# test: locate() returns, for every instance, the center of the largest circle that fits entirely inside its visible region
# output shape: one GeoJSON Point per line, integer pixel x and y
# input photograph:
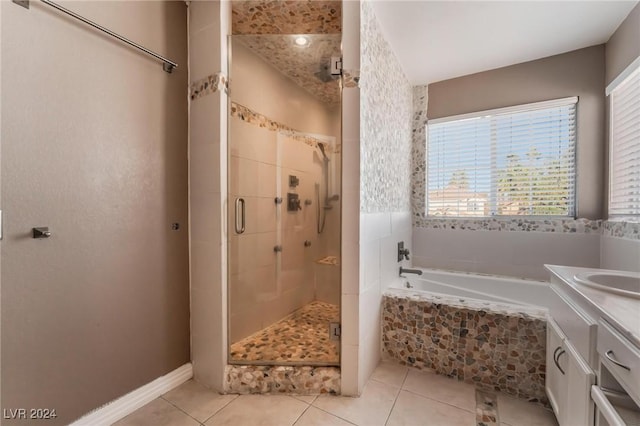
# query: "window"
{"type": "Point", "coordinates": [504, 162]}
{"type": "Point", "coordinates": [624, 126]}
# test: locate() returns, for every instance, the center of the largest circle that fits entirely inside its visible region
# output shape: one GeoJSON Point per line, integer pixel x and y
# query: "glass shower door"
{"type": "Point", "coordinates": [284, 220]}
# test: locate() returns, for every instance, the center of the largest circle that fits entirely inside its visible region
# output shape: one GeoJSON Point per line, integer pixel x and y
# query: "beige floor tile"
{"type": "Point", "coordinates": [316, 417]}
{"type": "Point", "coordinates": [517, 412]}
{"type": "Point", "coordinates": [197, 401]}
{"type": "Point", "coordinates": [157, 413]}
{"type": "Point", "coordinates": [441, 388]}
{"type": "Point", "coordinates": [414, 410]}
{"type": "Point", "coordinates": [306, 398]}
{"type": "Point", "coordinates": [390, 373]}
{"type": "Point", "coordinates": [371, 409]}
{"type": "Point", "coordinates": [259, 410]}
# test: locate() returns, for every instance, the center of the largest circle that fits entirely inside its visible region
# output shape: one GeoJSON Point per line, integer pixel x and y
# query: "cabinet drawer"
{"type": "Point", "coordinates": [620, 357]}
{"type": "Point", "coordinates": [579, 328]}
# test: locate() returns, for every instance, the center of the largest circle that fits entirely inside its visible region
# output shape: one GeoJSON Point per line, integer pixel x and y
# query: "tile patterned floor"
{"type": "Point", "coordinates": [394, 396]}
{"type": "Point", "coordinates": [303, 336]}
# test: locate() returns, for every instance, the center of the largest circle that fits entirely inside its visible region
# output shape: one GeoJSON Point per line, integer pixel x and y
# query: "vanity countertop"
{"type": "Point", "coordinates": [623, 313]}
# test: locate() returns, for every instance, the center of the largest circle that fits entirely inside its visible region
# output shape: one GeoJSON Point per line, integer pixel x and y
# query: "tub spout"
{"type": "Point", "coordinates": [410, 271]}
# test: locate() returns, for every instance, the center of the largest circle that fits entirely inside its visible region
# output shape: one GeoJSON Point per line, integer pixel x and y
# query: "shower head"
{"type": "Point", "coordinates": [321, 146]}
{"type": "Point", "coordinates": [324, 73]}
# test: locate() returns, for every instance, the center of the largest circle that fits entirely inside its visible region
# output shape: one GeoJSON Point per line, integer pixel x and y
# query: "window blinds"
{"type": "Point", "coordinates": [510, 161]}
{"type": "Point", "coordinates": [624, 185]}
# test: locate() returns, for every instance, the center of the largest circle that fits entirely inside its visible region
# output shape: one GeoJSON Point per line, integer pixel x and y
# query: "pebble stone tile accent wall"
{"type": "Point", "coordinates": [487, 344]}
{"type": "Point", "coordinates": [245, 379]}
{"type": "Point", "coordinates": [385, 123]}
{"type": "Point", "coordinates": [286, 17]}
{"type": "Point", "coordinates": [300, 337]}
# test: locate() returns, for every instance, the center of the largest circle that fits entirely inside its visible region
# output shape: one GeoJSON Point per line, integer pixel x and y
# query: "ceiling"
{"type": "Point", "coordinates": [286, 17]}
{"type": "Point", "coordinates": [439, 40]}
{"type": "Point", "coordinates": [269, 27]}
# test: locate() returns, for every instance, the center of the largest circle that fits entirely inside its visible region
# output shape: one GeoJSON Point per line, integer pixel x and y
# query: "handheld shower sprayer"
{"type": "Point", "coordinates": [324, 154]}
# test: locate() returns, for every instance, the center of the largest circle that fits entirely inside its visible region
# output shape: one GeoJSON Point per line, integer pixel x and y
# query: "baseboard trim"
{"type": "Point", "coordinates": [127, 404]}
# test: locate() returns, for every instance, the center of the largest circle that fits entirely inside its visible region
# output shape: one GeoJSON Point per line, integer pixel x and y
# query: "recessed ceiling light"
{"type": "Point", "coordinates": [301, 41]}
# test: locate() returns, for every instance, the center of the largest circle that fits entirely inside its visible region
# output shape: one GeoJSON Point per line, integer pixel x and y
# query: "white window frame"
{"type": "Point", "coordinates": [493, 193]}
{"type": "Point", "coordinates": [621, 78]}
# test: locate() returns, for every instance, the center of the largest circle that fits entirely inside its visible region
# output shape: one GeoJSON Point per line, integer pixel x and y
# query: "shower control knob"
{"type": "Point", "coordinates": [405, 253]}
{"type": "Point", "coordinates": [307, 243]}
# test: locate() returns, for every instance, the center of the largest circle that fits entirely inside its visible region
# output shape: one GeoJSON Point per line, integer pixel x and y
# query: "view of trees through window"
{"type": "Point", "coordinates": [520, 163]}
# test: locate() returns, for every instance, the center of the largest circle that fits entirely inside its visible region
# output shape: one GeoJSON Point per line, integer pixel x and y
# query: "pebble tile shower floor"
{"type": "Point", "coordinates": [302, 336]}
{"type": "Point", "coordinates": [395, 395]}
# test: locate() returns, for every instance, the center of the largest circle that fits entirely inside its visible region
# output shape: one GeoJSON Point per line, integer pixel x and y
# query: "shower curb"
{"type": "Point", "coordinates": [273, 379]}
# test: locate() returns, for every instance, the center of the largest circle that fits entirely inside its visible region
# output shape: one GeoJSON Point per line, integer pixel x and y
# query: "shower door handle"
{"type": "Point", "coordinates": [240, 216]}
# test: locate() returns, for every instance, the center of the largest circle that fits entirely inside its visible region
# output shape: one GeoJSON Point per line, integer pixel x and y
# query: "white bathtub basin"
{"type": "Point", "coordinates": [618, 282]}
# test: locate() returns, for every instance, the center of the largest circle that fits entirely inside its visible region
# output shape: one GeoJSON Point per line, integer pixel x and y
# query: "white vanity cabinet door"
{"type": "Point", "coordinates": [556, 383]}
{"type": "Point", "coordinates": [578, 408]}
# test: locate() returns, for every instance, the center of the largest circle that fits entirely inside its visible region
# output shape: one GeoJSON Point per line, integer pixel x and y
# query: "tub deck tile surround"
{"type": "Point", "coordinates": [493, 346]}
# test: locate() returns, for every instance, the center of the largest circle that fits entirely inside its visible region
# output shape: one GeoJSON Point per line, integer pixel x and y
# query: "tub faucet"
{"type": "Point", "coordinates": [410, 271]}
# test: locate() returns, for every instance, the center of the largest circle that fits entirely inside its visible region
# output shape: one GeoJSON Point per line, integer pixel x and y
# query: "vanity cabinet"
{"type": "Point", "coordinates": [569, 380]}
{"type": "Point", "coordinates": [589, 331]}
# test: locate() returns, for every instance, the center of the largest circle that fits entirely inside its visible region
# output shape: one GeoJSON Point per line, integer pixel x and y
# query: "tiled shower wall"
{"type": "Point", "coordinates": [385, 159]}
{"type": "Point", "coordinates": [265, 285]}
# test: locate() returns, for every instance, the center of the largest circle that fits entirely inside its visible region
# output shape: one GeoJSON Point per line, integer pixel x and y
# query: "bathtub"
{"type": "Point", "coordinates": [501, 290]}
{"type": "Point", "coordinates": [484, 330]}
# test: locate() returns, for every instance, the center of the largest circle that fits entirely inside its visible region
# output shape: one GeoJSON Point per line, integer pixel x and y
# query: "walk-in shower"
{"type": "Point", "coordinates": [284, 200]}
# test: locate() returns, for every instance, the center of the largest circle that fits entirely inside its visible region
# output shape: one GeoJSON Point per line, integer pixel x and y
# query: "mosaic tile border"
{"type": "Point", "coordinates": [418, 149]}
{"type": "Point", "coordinates": [350, 78]}
{"type": "Point", "coordinates": [292, 380]}
{"type": "Point", "coordinates": [486, 408]}
{"type": "Point", "coordinates": [493, 350]}
{"type": "Point", "coordinates": [250, 116]}
{"type": "Point", "coordinates": [526, 312]}
{"type": "Point", "coordinates": [629, 229]}
{"type": "Point", "coordinates": [213, 83]}
{"type": "Point", "coordinates": [582, 226]}
{"type": "Point", "coordinates": [286, 17]}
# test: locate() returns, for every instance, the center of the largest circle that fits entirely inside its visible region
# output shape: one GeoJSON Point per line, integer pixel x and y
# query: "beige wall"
{"type": "Point", "coordinates": [624, 45]}
{"type": "Point", "coordinates": [578, 73]}
{"type": "Point", "coordinates": [93, 146]}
